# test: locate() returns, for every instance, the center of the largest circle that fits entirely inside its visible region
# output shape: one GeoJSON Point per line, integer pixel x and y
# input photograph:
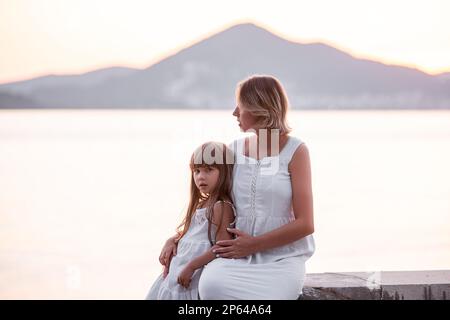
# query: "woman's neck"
{"type": "Point", "coordinates": [264, 132]}
{"type": "Point", "coordinates": [268, 143]}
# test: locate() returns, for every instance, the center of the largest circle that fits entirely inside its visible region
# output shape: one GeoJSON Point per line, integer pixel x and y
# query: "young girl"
{"type": "Point", "coordinates": [209, 214]}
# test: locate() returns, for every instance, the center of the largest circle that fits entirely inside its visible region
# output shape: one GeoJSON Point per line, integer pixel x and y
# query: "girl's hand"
{"type": "Point", "coordinates": [243, 245]}
{"type": "Point", "coordinates": [184, 279]}
{"type": "Point", "coordinates": [168, 251]}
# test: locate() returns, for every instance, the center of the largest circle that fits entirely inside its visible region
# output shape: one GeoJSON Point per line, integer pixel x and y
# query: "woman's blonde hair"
{"type": "Point", "coordinates": [265, 98]}
{"type": "Point", "coordinates": [209, 154]}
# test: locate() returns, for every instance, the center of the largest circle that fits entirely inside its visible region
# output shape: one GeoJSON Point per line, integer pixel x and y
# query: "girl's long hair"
{"type": "Point", "coordinates": [209, 154]}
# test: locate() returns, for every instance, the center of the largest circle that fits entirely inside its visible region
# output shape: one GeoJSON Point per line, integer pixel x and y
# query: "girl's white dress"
{"type": "Point", "coordinates": [193, 244]}
{"type": "Point", "coordinates": [262, 194]}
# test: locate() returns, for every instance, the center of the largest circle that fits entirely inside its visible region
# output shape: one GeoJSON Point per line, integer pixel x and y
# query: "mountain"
{"type": "Point", "coordinates": [205, 75]}
{"type": "Point", "coordinates": [444, 76]}
{"type": "Point", "coordinates": [16, 101]}
{"type": "Point", "coordinates": [82, 80]}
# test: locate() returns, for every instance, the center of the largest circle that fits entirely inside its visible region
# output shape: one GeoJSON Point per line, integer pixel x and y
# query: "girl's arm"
{"type": "Point", "coordinates": [223, 215]}
{"type": "Point", "coordinates": [302, 226]}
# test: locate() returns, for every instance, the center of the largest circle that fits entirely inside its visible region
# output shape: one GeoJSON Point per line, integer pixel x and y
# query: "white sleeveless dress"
{"type": "Point", "coordinates": [193, 244]}
{"type": "Point", "coordinates": [262, 195]}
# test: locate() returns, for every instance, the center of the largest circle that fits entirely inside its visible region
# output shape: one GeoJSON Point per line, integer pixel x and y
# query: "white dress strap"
{"type": "Point", "coordinates": [290, 147]}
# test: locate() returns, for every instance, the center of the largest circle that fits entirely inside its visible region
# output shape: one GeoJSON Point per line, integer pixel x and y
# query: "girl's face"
{"type": "Point", "coordinates": [244, 117]}
{"type": "Point", "coordinates": [206, 178]}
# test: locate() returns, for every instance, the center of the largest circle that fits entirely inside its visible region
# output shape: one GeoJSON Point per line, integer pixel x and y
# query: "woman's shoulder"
{"type": "Point", "coordinates": [297, 143]}
{"type": "Point", "coordinates": [294, 147]}
{"type": "Point", "coordinates": [295, 140]}
{"type": "Point", "coordinates": [300, 157]}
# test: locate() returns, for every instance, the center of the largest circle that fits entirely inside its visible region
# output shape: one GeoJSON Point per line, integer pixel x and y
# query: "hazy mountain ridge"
{"type": "Point", "coordinates": [10, 100]}
{"type": "Point", "coordinates": [205, 74]}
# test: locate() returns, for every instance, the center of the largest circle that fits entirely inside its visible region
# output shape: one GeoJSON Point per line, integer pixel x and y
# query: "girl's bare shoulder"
{"type": "Point", "coordinates": [223, 209]}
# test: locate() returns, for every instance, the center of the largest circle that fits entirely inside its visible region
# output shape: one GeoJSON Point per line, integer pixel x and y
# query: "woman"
{"type": "Point", "coordinates": [274, 205]}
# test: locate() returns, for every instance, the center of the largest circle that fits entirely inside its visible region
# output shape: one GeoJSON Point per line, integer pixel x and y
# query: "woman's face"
{"type": "Point", "coordinates": [244, 117]}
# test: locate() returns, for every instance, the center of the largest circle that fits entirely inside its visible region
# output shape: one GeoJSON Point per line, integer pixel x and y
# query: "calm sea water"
{"type": "Point", "coordinates": [87, 198]}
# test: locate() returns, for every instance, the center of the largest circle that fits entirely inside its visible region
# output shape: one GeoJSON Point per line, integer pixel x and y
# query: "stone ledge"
{"type": "Point", "coordinates": [380, 285]}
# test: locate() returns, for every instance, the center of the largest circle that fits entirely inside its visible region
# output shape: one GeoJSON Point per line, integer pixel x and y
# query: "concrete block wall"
{"type": "Point", "coordinates": [379, 285]}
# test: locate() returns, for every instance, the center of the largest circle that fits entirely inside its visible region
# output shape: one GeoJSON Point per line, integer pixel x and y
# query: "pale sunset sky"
{"type": "Point", "coordinates": [40, 37]}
